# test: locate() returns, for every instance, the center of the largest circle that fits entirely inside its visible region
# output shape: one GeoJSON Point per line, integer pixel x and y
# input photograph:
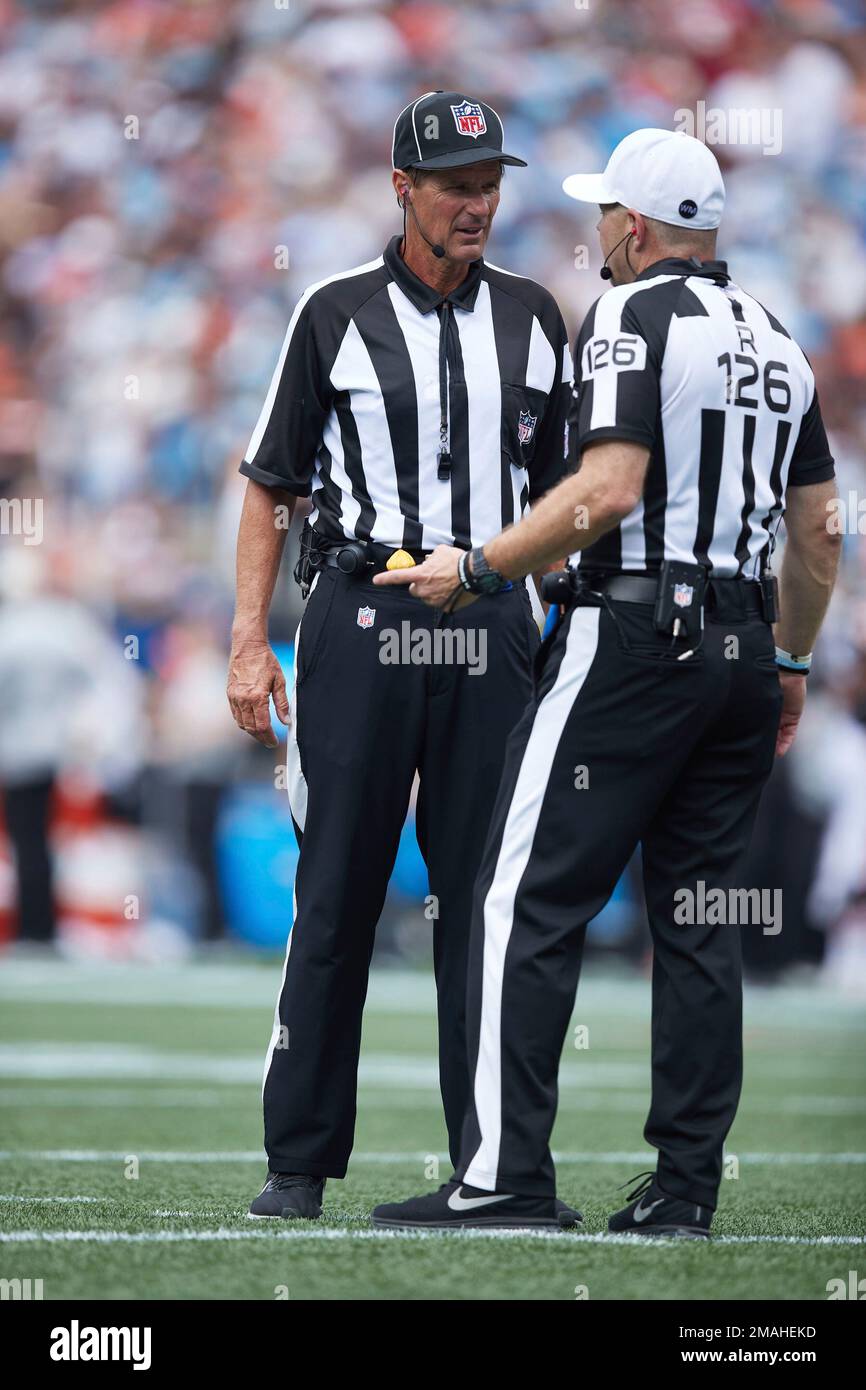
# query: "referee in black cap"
{"type": "Point", "coordinates": [662, 700]}
{"type": "Point", "coordinates": [420, 400]}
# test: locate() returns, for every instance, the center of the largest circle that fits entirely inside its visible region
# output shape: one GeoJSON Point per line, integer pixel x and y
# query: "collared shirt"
{"type": "Point", "coordinates": [683, 361]}
{"type": "Point", "coordinates": [377, 371]}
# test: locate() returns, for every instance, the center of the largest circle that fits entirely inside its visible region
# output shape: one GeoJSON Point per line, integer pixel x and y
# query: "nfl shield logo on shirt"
{"type": "Point", "coordinates": [683, 595]}
{"type": "Point", "coordinates": [366, 617]}
{"type": "Point", "coordinates": [469, 119]}
{"type": "Point", "coordinates": [526, 426]}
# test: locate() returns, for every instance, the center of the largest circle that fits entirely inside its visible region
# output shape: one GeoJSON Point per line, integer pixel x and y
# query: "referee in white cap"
{"type": "Point", "coordinates": [419, 399]}
{"type": "Point", "coordinates": [662, 701]}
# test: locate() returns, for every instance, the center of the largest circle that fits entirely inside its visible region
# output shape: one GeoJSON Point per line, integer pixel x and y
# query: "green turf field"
{"type": "Point", "coordinates": [131, 1131]}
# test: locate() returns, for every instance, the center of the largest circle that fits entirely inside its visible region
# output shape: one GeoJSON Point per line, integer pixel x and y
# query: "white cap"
{"type": "Point", "coordinates": [664, 174]}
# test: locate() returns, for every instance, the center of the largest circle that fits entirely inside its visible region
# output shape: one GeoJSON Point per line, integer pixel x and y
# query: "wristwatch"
{"type": "Point", "coordinates": [476, 576]}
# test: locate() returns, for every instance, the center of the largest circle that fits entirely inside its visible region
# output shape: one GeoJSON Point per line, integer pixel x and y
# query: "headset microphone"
{"type": "Point", "coordinates": [438, 251]}
{"type": "Point", "coordinates": [604, 272]}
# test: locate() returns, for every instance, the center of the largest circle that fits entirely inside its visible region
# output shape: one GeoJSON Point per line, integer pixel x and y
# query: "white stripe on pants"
{"type": "Point", "coordinates": [517, 839]}
{"type": "Point", "coordinates": [296, 786]}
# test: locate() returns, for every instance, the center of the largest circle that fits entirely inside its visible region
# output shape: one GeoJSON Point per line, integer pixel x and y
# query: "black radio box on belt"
{"type": "Point", "coordinates": [680, 595]}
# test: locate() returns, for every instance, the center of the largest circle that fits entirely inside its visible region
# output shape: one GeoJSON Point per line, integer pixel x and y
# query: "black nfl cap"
{"type": "Point", "coordinates": [444, 130]}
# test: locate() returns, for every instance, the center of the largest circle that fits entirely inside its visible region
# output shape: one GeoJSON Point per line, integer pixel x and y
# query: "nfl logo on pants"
{"type": "Point", "coordinates": [366, 617]}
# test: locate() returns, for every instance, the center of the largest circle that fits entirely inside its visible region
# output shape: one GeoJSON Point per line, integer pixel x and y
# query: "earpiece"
{"type": "Point", "coordinates": [606, 273]}
{"type": "Point", "coordinates": [438, 251]}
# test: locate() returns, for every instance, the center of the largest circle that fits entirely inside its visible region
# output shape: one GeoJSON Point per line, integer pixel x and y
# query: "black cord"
{"type": "Point", "coordinates": [599, 593]}
{"type": "Point", "coordinates": [452, 598]}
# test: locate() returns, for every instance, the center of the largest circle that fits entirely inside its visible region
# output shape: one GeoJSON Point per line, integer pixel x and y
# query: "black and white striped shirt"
{"type": "Point", "coordinates": [684, 361]}
{"type": "Point", "coordinates": [354, 410]}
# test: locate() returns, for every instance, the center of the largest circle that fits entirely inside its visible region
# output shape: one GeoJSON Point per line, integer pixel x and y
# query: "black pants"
{"type": "Point", "coordinates": [623, 744]}
{"type": "Point", "coordinates": [361, 728]}
{"type": "Point", "coordinates": [27, 808]}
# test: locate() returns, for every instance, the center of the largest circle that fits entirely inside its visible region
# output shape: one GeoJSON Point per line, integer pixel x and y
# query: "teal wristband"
{"type": "Point", "coordinates": [787, 661]}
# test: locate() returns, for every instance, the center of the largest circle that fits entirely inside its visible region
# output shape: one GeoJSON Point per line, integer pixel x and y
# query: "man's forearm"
{"type": "Point", "coordinates": [538, 574]}
{"type": "Point", "coordinates": [805, 585]}
{"type": "Point", "coordinates": [574, 514]}
{"type": "Point", "coordinates": [259, 552]}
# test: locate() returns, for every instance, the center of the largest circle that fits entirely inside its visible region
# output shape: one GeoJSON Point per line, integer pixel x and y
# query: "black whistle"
{"type": "Point", "coordinates": [444, 470]}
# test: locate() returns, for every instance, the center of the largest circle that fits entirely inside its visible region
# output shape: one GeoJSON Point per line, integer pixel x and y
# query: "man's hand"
{"type": "Point", "coordinates": [434, 581]}
{"type": "Point", "coordinates": [255, 674]}
{"type": "Point", "coordinates": [793, 702]}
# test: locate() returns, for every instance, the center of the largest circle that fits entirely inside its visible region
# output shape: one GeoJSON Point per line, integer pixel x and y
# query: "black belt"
{"type": "Point", "coordinates": [639, 588]}
{"type": "Point", "coordinates": [377, 556]}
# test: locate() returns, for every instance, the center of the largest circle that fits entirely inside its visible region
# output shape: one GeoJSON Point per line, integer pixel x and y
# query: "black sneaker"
{"type": "Point", "coordinates": [456, 1206]}
{"type": "Point", "coordinates": [290, 1195]}
{"type": "Point", "coordinates": [567, 1217]}
{"type": "Point", "coordinates": [652, 1212]}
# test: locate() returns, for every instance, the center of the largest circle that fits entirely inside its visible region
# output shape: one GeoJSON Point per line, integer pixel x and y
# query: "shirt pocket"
{"type": "Point", "coordinates": [523, 410]}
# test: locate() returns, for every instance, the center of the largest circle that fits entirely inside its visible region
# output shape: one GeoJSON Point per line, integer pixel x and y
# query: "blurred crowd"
{"type": "Point", "coordinates": [173, 173]}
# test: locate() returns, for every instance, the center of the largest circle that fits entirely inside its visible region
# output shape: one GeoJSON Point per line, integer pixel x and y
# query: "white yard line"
{"type": "Point", "coordinates": [99, 1237]}
{"type": "Point", "coordinates": [388, 1157]}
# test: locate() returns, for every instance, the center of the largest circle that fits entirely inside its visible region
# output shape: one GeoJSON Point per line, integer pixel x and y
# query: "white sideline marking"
{"type": "Point", "coordinates": [426, 1098]}
{"type": "Point", "coordinates": [243, 985]}
{"type": "Point", "coordinates": [84, 1097]}
{"type": "Point", "coordinates": [612, 1156]}
{"type": "Point", "coordinates": [98, 1237]}
{"type": "Point", "coordinates": [418, 1072]}
{"type": "Point", "coordinates": [56, 1061]}
{"type": "Point", "coordinates": [17, 1197]}
{"type": "Point", "coordinates": [190, 986]}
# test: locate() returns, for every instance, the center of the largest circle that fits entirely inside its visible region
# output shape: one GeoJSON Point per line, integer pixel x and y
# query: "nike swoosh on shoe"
{"type": "Point", "coordinates": [456, 1202]}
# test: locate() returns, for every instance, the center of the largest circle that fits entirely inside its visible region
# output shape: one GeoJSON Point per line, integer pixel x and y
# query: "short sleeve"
{"type": "Point", "coordinates": [282, 450]}
{"type": "Point", "coordinates": [549, 463]}
{"type": "Point", "coordinates": [811, 461]}
{"type": "Point", "coordinates": [616, 379]}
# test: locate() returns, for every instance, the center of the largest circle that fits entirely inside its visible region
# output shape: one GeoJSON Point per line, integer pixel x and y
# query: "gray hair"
{"type": "Point", "coordinates": [700, 240]}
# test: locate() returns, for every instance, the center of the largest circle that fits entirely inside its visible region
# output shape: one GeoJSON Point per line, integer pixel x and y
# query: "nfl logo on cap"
{"type": "Point", "coordinates": [469, 119]}
{"type": "Point", "coordinates": [448, 130]}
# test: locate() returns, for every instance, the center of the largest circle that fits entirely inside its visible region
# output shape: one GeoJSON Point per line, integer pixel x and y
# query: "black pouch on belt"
{"type": "Point", "coordinates": [769, 596]}
{"type": "Point", "coordinates": [680, 597]}
{"type": "Point", "coordinates": [559, 587]}
{"type": "Point", "coordinates": [308, 559]}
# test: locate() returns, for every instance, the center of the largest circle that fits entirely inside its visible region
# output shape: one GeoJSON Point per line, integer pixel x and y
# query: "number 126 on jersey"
{"type": "Point", "coordinates": [622, 354]}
